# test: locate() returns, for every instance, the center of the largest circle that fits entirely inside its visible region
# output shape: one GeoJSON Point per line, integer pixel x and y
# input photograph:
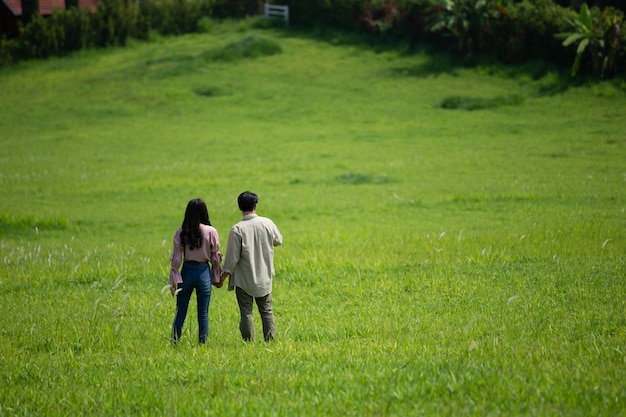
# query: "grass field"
{"type": "Point", "coordinates": [454, 237]}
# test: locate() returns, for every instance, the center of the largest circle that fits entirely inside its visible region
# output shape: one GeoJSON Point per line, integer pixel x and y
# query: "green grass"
{"type": "Point", "coordinates": [436, 261]}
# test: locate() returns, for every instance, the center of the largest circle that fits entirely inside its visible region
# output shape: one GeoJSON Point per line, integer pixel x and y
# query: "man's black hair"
{"type": "Point", "coordinates": [247, 201]}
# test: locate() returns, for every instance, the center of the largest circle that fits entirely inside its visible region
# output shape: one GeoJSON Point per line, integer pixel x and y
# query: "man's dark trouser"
{"type": "Point", "coordinates": [246, 324]}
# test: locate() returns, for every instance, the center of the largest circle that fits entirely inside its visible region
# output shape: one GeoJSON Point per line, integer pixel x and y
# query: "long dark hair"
{"type": "Point", "coordinates": [195, 214]}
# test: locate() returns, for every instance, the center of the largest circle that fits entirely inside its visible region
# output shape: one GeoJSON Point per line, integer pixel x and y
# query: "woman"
{"type": "Point", "coordinates": [196, 243]}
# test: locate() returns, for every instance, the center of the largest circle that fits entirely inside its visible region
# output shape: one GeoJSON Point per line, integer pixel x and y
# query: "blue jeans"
{"type": "Point", "coordinates": [195, 276]}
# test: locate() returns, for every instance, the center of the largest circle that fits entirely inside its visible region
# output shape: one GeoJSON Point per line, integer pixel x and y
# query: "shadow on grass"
{"type": "Point", "coordinates": [29, 224]}
{"type": "Point", "coordinates": [211, 91]}
{"type": "Point", "coordinates": [479, 103]}
{"type": "Point", "coordinates": [248, 47]}
{"type": "Point", "coordinates": [547, 78]}
{"type": "Point", "coordinates": [357, 178]}
{"type": "Point", "coordinates": [437, 59]}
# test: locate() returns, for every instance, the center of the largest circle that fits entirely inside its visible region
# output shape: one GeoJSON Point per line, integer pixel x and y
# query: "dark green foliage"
{"type": "Point", "coordinates": [36, 39]}
{"type": "Point", "coordinates": [575, 4]}
{"type": "Point", "coordinates": [477, 26]}
{"type": "Point", "coordinates": [115, 22]}
{"type": "Point", "coordinates": [236, 9]}
{"type": "Point", "coordinates": [70, 30]}
{"type": "Point", "coordinates": [338, 14]}
{"type": "Point", "coordinates": [174, 17]}
{"type": "Point", "coordinates": [30, 9]}
{"type": "Point", "coordinates": [535, 23]}
{"type": "Point", "coordinates": [77, 30]}
{"type": "Point", "coordinates": [596, 34]}
{"type": "Point", "coordinates": [61, 33]}
{"type": "Point", "coordinates": [205, 25]}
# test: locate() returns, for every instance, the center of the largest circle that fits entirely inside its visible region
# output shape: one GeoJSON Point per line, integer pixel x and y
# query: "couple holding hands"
{"type": "Point", "coordinates": [249, 263]}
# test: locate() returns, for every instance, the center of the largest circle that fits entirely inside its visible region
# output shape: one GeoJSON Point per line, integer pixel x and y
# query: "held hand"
{"type": "Point", "coordinates": [173, 290]}
{"type": "Point", "coordinates": [222, 279]}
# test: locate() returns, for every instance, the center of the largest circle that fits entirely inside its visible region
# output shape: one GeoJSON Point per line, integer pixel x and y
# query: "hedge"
{"type": "Point", "coordinates": [515, 31]}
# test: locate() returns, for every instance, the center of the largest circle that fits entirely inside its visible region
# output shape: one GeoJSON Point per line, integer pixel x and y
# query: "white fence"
{"type": "Point", "coordinates": [273, 11]}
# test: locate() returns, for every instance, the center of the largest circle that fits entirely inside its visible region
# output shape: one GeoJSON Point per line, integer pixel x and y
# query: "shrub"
{"type": "Point", "coordinates": [380, 17]}
{"type": "Point", "coordinates": [33, 41]}
{"type": "Point", "coordinates": [42, 38]}
{"type": "Point", "coordinates": [416, 18]}
{"type": "Point", "coordinates": [476, 25]}
{"type": "Point", "coordinates": [534, 24]}
{"type": "Point", "coordinates": [30, 9]}
{"type": "Point", "coordinates": [205, 25]}
{"type": "Point", "coordinates": [236, 9]}
{"type": "Point", "coordinates": [336, 14]}
{"type": "Point", "coordinates": [116, 21]}
{"type": "Point", "coordinates": [7, 51]}
{"type": "Point", "coordinates": [175, 17]}
{"type": "Point", "coordinates": [598, 36]}
{"type": "Point", "coordinates": [76, 28]}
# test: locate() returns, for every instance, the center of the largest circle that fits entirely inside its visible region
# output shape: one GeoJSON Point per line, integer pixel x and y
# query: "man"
{"type": "Point", "coordinates": [250, 264]}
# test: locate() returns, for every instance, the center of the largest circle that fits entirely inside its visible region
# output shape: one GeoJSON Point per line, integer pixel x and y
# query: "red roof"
{"type": "Point", "coordinates": [47, 6]}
